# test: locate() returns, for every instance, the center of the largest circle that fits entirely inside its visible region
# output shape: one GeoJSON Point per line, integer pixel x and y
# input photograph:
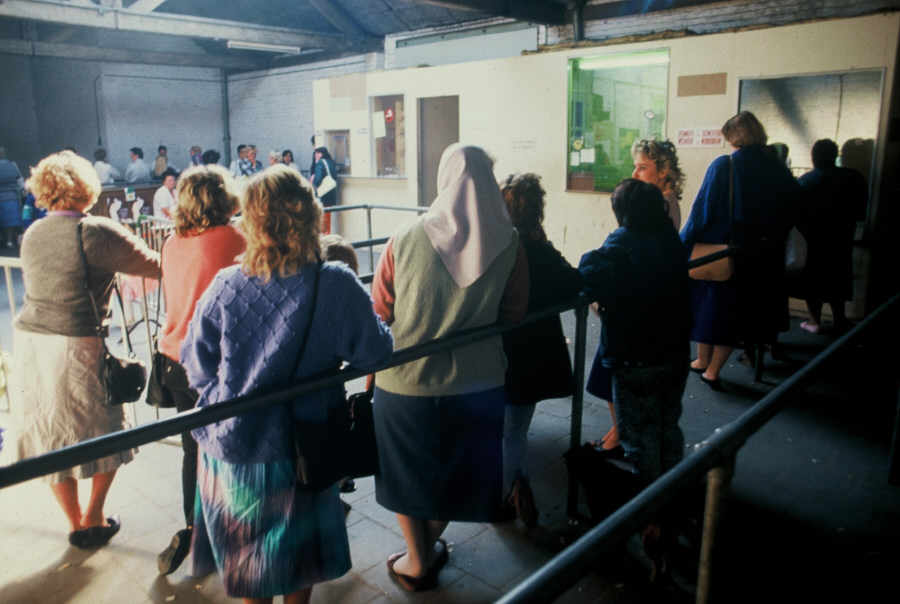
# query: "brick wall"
{"type": "Point", "coordinates": [273, 109]}
{"type": "Point", "coordinates": [719, 16]}
{"type": "Point", "coordinates": [149, 105]}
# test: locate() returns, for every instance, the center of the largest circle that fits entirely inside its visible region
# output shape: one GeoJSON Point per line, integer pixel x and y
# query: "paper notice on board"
{"type": "Point", "coordinates": [575, 158]}
{"type": "Point", "coordinates": [587, 156]}
{"type": "Point", "coordinates": [378, 127]}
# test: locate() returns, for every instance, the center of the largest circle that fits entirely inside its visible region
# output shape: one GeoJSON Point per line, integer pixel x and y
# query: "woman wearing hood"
{"type": "Point", "coordinates": [439, 419]}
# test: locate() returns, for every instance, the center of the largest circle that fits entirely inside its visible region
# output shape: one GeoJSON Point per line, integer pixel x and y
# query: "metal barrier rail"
{"type": "Point", "coordinates": [370, 242]}
{"type": "Point", "coordinates": [715, 457]}
{"type": "Point", "coordinates": [108, 444]}
{"type": "Point", "coordinates": [102, 446]}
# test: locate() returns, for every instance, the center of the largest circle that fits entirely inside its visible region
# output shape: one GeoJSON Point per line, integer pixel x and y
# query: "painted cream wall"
{"type": "Point", "coordinates": [516, 109]}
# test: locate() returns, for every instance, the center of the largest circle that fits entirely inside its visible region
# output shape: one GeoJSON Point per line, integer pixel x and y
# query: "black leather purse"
{"type": "Point", "coordinates": [124, 379]}
{"type": "Point", "coordinates": [342, 448]}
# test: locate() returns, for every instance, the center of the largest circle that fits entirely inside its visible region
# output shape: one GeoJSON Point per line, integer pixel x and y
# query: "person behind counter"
{"type": "Point", "coordinates": [164, 198]}
{"type": "Point", "coordinates": [137, 170]}
{"type": "Point", "coordinates": [106, 172]}
{"type": "Point", "coordinates": [162, 163]}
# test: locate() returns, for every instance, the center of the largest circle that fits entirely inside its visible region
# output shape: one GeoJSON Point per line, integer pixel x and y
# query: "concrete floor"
{"type": "Point", "coordinates": [810, 515]}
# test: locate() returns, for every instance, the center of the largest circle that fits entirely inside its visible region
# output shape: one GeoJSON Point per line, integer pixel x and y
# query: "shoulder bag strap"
{"type": "Point", "coordinates": [731, 199]}
{"type": "Point", "coordinates": [309, 321]}
{"type": "Point", "coordinates": [87, 284]}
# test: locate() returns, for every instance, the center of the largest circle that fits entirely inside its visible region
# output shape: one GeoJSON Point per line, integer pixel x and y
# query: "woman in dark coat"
{"type": "Point", "coordinates": [538, 358]}
{"type": "Point", "coordinates": [750, 307]}
{"type": "Point", "coordinates": [323, 167]}
{"type": "Point", "coordinates": [833, 198]}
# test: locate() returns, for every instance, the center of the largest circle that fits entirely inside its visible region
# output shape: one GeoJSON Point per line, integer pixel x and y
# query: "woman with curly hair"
{"type": "Point", "coordinates": [266, 535]}
{"type": "Point", "coordinates": [204, 242]}
{"type": "Point", "coordinates": [538, 358]}
{"type": "Point", "coordinates": [59, 346]}
{"type": "Point", "coordinates": [656, 163]}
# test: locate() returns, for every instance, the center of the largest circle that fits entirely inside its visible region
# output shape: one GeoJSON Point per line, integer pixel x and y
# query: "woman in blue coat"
{"type": "Point", "coordinates": [323, 167]}
{"type": "Point", "coordinates": [751, 307]}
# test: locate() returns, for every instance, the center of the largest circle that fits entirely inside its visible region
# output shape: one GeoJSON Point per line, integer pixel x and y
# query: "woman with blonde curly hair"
{"type": "Point", "coordinates": [265, 535]}
{"type": "Point", "coordinates": [68, 257]}
{"type": "Point", "coordinates": [204, 242]}
{"type": "Point", "coordinates": [656, 162]}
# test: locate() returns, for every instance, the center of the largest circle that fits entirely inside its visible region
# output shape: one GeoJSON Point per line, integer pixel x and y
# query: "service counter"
{"type": "Point", "coordinates": [126, 202]}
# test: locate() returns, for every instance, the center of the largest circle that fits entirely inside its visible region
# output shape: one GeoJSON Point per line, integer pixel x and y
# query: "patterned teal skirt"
{"type": "Point", "coordinates": [265, 536]}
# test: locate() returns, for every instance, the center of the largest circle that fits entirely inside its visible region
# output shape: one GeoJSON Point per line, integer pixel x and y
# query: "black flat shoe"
{"type": "Point", "coordinates": [172, 557]}
{"type": "Point", "coordinates": [95, 536]}
{"type": "Point", "coordinates": [715, 384]}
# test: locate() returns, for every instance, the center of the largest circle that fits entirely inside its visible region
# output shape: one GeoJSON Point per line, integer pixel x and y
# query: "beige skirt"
{"type": "Point", "coordinates": [59, 399]}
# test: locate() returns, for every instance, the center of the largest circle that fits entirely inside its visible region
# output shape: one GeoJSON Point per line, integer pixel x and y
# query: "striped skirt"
{"type": "Point", "coordinates": [264, 535]}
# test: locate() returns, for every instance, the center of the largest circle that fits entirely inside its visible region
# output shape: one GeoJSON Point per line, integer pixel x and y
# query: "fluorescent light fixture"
{"type": "Point", "coordinates": [636, 59]}
{"type": "Point", "coordinates": [262, 47]}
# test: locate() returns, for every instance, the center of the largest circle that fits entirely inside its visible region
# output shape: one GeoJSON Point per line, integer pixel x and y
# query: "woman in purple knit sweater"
{"type": "Point", "coordinates": [266, 536]}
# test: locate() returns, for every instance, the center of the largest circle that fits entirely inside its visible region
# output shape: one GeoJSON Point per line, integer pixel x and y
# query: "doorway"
{"type": "Point", "coordinates": [438, 128]}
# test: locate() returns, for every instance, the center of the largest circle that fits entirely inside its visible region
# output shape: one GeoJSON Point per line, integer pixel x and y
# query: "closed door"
{"type": "Point", "coordinates": [438, 129]}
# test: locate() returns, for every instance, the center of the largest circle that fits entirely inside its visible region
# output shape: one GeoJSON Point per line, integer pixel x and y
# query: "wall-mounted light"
{"type": "Point", "coordinates": [636, 59]}
{"type": "Point", "coordinates": [262, 47]}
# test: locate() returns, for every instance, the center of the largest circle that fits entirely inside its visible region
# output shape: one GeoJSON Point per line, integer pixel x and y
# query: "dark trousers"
{"type": "Point", "coordinates": [175, 382]}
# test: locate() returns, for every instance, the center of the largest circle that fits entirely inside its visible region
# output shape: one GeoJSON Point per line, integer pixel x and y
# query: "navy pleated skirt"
{"type": "Point", "coordinates": [440, 458]}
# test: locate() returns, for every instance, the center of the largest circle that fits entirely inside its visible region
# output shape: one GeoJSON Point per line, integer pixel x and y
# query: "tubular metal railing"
{"type": "Point", "coordinates": [370, 242]}
{"type": "Point", "coordinates": [715, 457]}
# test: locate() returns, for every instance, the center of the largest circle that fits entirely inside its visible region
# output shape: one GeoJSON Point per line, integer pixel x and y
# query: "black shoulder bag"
{"type": "Point", "coordinates": [342, 448]}
{"type": "Point", "coordinates": [124, 379]}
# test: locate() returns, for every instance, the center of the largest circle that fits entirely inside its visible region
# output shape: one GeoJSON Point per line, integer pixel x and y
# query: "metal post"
{"type": "Point", "coordinates": [226, 118]}
{"type": "Point", "coordinates": [581, 314]}
{"type": "Point", "coordinates": [10, 292]}
{"type": "Point", "coordinates": [578, 21]}
{"type": "Point", "coordinates": [718, 480]}
{"type": "Point", "coordinates": [893, 461]}
{"type": "Point", "coordinates": [369, 231]}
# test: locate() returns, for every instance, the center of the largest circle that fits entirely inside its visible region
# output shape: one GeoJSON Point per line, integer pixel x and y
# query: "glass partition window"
{"type": "Point", "coordinates": [389, 135]}
{"type": "Point", "coordinates": [338, 144]}
{"type": "Point", "coordinates": [613, 100]}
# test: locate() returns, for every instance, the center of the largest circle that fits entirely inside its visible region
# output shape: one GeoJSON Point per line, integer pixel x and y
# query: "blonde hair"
{"type": "Point", "coordinates": [743, 130]}
{"type": "Point", "coordinates": [281, 223]}
{"type": "Point", "coordinates": [206, 198]}
{"type": "Point", "coordinates": [335, 247]}
{"type": "Point", "coordinates": [663, 154]}
{"type": "Point", "coordinates": [64, 181]}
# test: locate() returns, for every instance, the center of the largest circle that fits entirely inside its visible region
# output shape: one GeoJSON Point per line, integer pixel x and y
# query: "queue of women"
{"type": "Point", "coordinates": [451, 427]}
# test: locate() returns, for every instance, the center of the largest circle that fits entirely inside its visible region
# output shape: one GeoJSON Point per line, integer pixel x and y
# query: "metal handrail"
{"type": "Point", "coordinates": [715, 456]}
{"type": "Point", "coordinates": [108, 444]}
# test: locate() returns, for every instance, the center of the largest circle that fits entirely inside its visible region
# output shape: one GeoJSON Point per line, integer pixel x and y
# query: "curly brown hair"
{"type": "Point", "coordinates": [524, 197]}
{"type": "Point", "coordinates": [281, 219]}
{"type": "Point", "coordinates": [334, 247]}
{"type": "Point", "coordinates": [206, 198]}
{"type": "Point", "coordinates": [662, 153]}
{"type": "Point", "coordinates": [64, 181]}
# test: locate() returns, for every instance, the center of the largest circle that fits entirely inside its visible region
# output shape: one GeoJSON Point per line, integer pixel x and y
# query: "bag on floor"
{"type": "Point", "coordinates": [608, 481]}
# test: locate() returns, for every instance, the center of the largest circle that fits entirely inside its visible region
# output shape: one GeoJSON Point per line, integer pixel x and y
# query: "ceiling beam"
{"type": "Point", "coordinates": [164, 23]}
{"type": "Point", "coordinates": [339, 18]}
{"type": "Point", "coordinates": [145, 6]}
{"type": "Point", "coordinates": [538, 11]}
{"type": "Point", "coordinates": [122, 55]}
{"type": "Point", "coordinates": [622, 8]}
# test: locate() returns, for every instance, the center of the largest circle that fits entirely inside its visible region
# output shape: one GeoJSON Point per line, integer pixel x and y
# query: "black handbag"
{"type": "Point", "coordinates": [345, 446]}
{"type": "Point", "coordinates": [124, 379]}
{"type": "Point", "coordinates": [158, 395]}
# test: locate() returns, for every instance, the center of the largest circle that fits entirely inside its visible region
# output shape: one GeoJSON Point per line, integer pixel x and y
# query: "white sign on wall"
{"type": "Point", "coordinates": [699, 137]}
